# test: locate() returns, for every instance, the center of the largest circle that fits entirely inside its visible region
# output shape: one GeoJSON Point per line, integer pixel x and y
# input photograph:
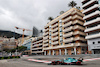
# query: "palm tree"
{"type": "Point", "coordinates": [61, 12]}
{"type": "Point", "coordinates": [50, 18]}
{"type": "Point", "coordinates": [72, 4]}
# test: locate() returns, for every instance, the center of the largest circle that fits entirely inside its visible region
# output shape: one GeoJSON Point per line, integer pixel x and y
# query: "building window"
{"type": "Point", "coordinates": [93, 42]}
{"type": "Point", "coordinates": [98, 41]}
{"type": "Point", "coordinates": [60, 29]}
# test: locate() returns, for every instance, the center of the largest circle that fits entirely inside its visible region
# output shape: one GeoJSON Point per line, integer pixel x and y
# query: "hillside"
{"type": "Point", "coordinates": [10, 34]}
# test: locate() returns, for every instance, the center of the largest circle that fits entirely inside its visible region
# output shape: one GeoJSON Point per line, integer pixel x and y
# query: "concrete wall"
{"type": "Point", "coordinates": [94, 46]}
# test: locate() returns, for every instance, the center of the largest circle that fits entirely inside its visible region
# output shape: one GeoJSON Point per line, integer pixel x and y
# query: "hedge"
{"type": "Point", "coordinates": [9, 57]}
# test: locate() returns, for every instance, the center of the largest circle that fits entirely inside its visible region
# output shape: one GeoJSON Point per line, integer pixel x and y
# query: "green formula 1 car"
{"type": "Point", "coordinates": [67, 61]}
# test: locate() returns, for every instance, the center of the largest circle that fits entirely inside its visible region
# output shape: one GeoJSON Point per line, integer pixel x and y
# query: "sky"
{"type": "Point", "coordinates": [29, 13]}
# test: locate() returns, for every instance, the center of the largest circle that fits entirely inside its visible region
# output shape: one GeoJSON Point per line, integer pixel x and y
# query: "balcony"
{"type": "Point", "coordinates": [68, 40]}
{"type": "Point", "coordinates": [92, 14]}
{"type": "Point", "coordinates": [55, 20]}
{"type": "Point", "coordinates": [92, 21]}
{"type": "Point", "coordinates": [37, 45]}
{"type": "Point", "coordinates": [79, 38]}
{"type": "Point", "coordinates": [79, 27]}
{"type": "Point", "coordinates": [37, 51]}
{"type": "Point", "coordinates": [83, 0]}
{"type": "Point", "coordinates": [66, 14]}
{"type": "Point", "coordinates": [53, 30]}
{"type": "Point", "coordinates": [40, 41]}
{"type": "Point", "coordinates": [67, 19]}
{"type": "Point", "coordinates": [37, 48]}
{"type": "Point", "coordinates": [46, 37]}
{"type": "Point", "coordinates": [78, 17]}
{"type": "Point", "coordinates": [93, 36]}
{"type": "Point", "coordinates": [46, 33]}
{"type": "Point", "coordinates": [92, 29]}
{"type": "Point", "coordinates": [79, 13]}
{"type": "Point", "coordinates": [88, 3]}
{"type": "Point", "coordinates": [45, 45]}
{"type": "Point", "coordinates": [60, 46]}
{"type": "Point", "coordinates": [79, 22]}
{"type": "Point", "coordinates": [91, 8]}
{"type": "Point", "coordinates": [80, 44]}
{"type": "Point", "coordinates": [54, 43]}
{"type": "Point", "coordinates": [54, 25]}
{"type": "Point", "coordinates": [54, 34]}
{"type": "Point", "coordinates": [47, 29]}
{"type": "Point", "coordinates": [68, 34]}
{"type": "Point", "coordinates": [55, 38]}
{"type": "Point", "coordinates": [68, 29]}
{"type": "Point", "coordinates": [45, 41]}
{"type": "Point", "coordinates": [67, 24]}
{"type": "Point", "coordinates": [79, 32]}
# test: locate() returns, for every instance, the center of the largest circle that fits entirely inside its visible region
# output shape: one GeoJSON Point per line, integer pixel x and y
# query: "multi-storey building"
{"type": "Point", "coordinates": [37, 46]}
{"type": "Point", "coordinates": [27, 43]}
{"type": "Point", "coordinates": [9, 43]}
{"type": "Point", "coordinates": [92, 22]}
{"type": "Point", "coordinates": [65, 34]}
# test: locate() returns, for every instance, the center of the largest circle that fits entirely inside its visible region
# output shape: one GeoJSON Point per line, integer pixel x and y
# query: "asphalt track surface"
{"type": "Point", "coordinates": [25, 63]}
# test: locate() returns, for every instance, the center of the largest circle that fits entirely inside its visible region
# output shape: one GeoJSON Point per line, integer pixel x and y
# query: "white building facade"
{"type": "Point", "coordinates": [92, 23]}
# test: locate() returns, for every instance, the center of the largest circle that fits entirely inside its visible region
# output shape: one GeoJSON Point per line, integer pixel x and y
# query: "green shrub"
{"type": "Point", "coordinates": [13, 56]}
{"type": "Point", "coordinates": [8, 58]}
{"type": "Point", "coordinates": [2, 58]}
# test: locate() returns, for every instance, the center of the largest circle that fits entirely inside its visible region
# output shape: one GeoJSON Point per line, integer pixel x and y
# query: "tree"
{"type": "Point", "coordinates": [21, 48]}
{"type": "Point", "coordinates": [61, 12]}
{"type": "Point", "coordinates": [72, 4]}
{"type": "Point", "coordinates": [50, 18]}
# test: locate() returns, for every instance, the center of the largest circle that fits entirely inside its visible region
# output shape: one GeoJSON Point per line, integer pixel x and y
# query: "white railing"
{"type": "Point", "coordinates": [93, 28]}
{"type": "Point", "coordinates": [92, 21]}
{"type": "Point", "coordinates": [68, 29]}
{"type": "Point", "coordinates": [79, 27]}
{"type": "Point", "coordinates": [67, 24]}
{"type": "Point", "coordinates": [53, 43]}
{"type": "Point", "coordinates": [54, 34]}
{"type": "Point", "coordinates": [68, 34]}
{"type": "Point", "coordinates": [65, 20]}
{"type": "Point", "coordinates": [91, 8]}
{"type": "Point", "coordinates": [91, 1]}
{"type": "Point", "coordinates": [54, 25]}
{"type": "Point", "coordinates": [79, 32]}
{"type": "Point", "coordinates": [92, 14]}
{"type": "Point", "coordinates": [76, 16]}
{"type": "Point", "coordinates": [55, 38]}
{"type": "Point", "coordinates": [69, 40]}
{"type": "Point", "coordinates": [53, 30]}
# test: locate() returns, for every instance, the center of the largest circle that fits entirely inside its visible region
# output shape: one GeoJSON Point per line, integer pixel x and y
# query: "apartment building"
{"type": "Point", "coordinates": [9, 43]}
{"type": "Point", "coordinates": [65, 34]}
{"type": "Point", "coordinates": [37, 46]}
{"type": "Point", "coordinates": [92, 23]}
